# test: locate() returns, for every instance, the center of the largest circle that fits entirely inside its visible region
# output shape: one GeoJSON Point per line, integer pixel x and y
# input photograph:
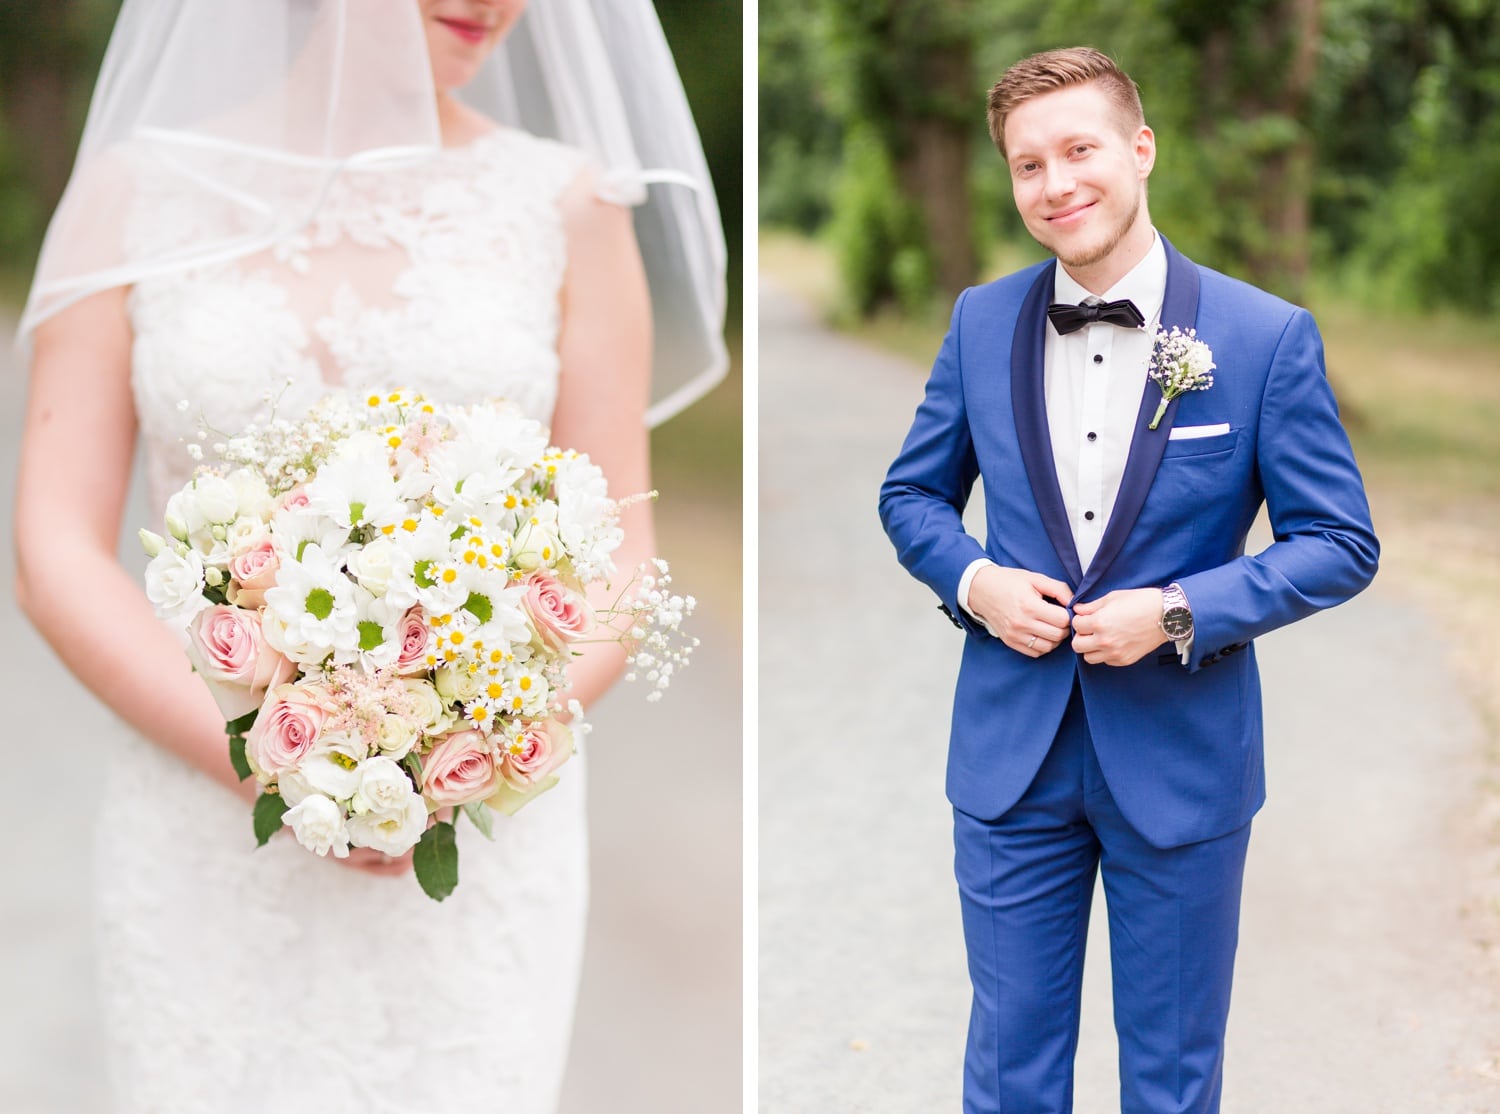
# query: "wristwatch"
{"type": "Point", "coordinates": [1176, 615]}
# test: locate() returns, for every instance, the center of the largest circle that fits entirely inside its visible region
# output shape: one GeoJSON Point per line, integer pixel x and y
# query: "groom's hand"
{"type": "Point", "coordinates": [1120, 628]}
{"type": "Point", "coordinates": [1025, 610]}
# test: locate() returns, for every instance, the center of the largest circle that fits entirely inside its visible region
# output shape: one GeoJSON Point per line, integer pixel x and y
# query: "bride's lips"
{"type": "Point", "coordinates": [469, 32]}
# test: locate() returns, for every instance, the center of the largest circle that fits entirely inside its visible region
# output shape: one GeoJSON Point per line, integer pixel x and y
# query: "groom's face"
{"type": "Point", "coordinates": [1078, 172]}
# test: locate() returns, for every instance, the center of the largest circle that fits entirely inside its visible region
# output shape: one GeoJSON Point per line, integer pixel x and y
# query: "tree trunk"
{"type": "Point", "coordinates": [37, 115]}
{"type": "Point", "coordinates": [933, 167]}
{"type": "Point", "coordinates": [38, 59]}
{"type": "Point", "coordinates": [1286, 201]}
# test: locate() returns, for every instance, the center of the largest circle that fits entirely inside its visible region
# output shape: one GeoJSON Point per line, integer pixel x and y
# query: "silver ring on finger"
{"type": "Point", "coordinates": [1031, 642]}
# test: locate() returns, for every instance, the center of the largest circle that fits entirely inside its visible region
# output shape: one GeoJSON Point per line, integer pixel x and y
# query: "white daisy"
{"type": "Point", "coordinates": [312, 608]}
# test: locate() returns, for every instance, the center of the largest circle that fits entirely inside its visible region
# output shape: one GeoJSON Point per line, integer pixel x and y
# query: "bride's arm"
{"type": "Point", "coordinates": [76, 452]}
{"type": "Point", "coordinates": [605, 350]}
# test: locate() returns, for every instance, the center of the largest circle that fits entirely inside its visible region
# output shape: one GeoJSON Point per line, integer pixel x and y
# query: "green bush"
{"type": "Point", "coordinates": [794, 188]}
{"type": "Point", "coordinates": [875, 232]}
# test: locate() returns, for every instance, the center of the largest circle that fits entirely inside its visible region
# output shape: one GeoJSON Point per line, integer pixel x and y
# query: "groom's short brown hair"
{"type": "Point", "coordinates": [1057, 69]}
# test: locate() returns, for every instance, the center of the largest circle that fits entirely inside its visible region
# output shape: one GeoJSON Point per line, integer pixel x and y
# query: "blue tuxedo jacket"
{"type": "Point", "coordinates": [1180, 746]}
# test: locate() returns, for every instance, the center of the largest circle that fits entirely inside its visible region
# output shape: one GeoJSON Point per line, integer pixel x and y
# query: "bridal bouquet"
{"type": "Point", "coordinates": [383, 598]}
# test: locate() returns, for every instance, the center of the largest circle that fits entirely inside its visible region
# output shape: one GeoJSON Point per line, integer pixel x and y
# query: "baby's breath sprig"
{"type": "Point", "coordinates": [1180, 362]}
{"type": "Point", "coordinates": [289, 453]}
{"type": "Point", "coordinates": [658, 646]}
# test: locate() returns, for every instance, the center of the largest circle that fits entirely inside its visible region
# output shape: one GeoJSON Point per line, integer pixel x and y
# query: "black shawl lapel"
{"type": "Point", "coordinates": [1029, 402]}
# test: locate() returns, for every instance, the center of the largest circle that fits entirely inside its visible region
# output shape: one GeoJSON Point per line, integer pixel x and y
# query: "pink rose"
{"type": "Point", "coordinates": [251, 572]}
{"type": "Point", "coordinates": [559, 614]}
{"type": "Point", "coordinates": [543, 747]}
{"type": "Point", "coordinates": [293, 499]}
{"type": "Point", "coordinates": [459, 769]}
{"type": "Point", "coordinates": [413, 655]}
{"type": "Point", "coordinates": [226, 648]}
{"type": "Point", "coordinates": [290, 721]}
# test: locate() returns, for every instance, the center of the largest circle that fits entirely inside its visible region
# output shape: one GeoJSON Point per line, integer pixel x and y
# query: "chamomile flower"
{"type": "Point", "coordinates": [312, 608]}
{"type": "Point", "coordinates": [355, 487]}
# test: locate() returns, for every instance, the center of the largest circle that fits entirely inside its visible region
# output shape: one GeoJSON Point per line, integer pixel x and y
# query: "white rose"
{"type": "Point", "coordinates": [395, 834]}
{"type": "Point", "coordinates": [216, 498]}
{"type": "Point", "coordinates": [377, 563]}
{"type": "Point", "coordinates": [397, 736]}
{"type": "Point", "coordinates": [243, 533]}
{"type": "Point", "coordinates": [252, 496]}
{"type": "Point", "coordinates": [174, 585]}
{"type": "Point", "coordinates": [319, 826]}
{"type": "Point", "coordinates": [536, 545]}
{"type": "Point", "coordinates": [182, 515]}
{"type": "Point", "coordinates": [293, 787]}
{"type": "Point", "coordinates": [383, 788]}
{"type": "Point", "coordinates": [456, 684]}
{"type": "Point", "coordinates": [433, 716]}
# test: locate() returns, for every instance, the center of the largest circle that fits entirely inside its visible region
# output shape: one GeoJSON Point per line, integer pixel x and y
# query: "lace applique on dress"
{"type": "Point", "coordinates": [442, 276]}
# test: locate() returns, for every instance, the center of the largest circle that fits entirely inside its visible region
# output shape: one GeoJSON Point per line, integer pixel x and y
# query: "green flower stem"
{"type": "Point", "coordinates": [1160, 410]}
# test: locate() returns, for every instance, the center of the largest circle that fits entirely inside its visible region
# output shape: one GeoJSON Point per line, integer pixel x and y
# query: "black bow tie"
{"type": "Point", "coordinates": [1066, 319]}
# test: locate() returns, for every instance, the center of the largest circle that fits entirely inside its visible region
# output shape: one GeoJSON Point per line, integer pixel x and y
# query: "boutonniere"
{"type": "Point", "coordinates": [1180, 362]}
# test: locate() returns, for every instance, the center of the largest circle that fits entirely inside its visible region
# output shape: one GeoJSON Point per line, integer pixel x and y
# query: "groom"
{"type": "Point", "coordinates": [1108, 711]}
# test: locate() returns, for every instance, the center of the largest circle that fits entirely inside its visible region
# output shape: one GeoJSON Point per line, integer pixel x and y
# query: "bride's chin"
{"type": "Point", "coordinates": [451, 74]}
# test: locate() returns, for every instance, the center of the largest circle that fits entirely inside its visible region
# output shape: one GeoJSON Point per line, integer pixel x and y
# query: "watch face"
{"type": "Point", "coordinates": [1177, 622]}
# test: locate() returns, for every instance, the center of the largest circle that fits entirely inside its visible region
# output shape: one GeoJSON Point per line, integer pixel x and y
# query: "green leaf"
{"type": "Point", "coordinates": [413, 764]}
{"type": "Point", "coordinates": [371, 634]}
{"type": "Point", "coordinates": [319, 603]}
{"type": "Point", "coordinates": [269, 808]}
{"type": "Point", "coordinates": [243, 724]}
{"type": "Point", "coordinates": [419, 574]}
{"type": "Point", "coordinates": [479, 607]}
{"type": "Point", "coordinates": [215, 595]}
{"type": "Point", "coordinates": [479, 815]}
{"type": "Point", "coordinates": [435, 861]}
{"type": "Point", "coordinates": [237, 756]}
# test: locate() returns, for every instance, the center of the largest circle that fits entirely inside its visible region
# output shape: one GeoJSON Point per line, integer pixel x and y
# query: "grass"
{"type": "Point", "coordinates": [1421, 398]}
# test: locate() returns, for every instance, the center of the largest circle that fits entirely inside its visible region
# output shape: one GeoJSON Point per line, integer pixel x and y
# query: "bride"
{"type": "Point", "coordinates": [274, 199]}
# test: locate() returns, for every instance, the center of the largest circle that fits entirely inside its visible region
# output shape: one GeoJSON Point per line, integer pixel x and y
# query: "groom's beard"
{"type": "Point", "coordinates": [1087, 255]}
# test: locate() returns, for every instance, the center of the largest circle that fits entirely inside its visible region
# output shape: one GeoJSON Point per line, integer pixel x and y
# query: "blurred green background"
{"type": "Point", "coordinates": [1344, 154]}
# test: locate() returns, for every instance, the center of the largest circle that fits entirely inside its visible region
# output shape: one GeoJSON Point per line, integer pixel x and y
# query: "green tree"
{"type": "Point", "coordinates": [902, 70]}
{"type": "Point", "coordinates": [49, 53]}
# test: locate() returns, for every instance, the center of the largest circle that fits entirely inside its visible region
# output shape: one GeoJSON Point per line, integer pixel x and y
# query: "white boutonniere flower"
{"type": "Point", "coordinates": [1180, 362]}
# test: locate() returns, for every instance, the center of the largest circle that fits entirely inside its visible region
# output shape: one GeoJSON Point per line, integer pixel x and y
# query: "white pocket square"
{"type": "Point", "coordinates": [1189, 432]}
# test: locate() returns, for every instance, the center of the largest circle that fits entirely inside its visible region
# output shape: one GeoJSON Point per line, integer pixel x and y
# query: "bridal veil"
{"type": "Point", "coordinates": [264, 103]}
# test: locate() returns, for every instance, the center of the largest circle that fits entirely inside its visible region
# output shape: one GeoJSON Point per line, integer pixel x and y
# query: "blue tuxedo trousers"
{"type": "Point", "coordinates": [1026, 881]}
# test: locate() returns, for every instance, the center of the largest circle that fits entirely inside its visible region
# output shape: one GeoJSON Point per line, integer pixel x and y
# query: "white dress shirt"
{"type": "Point", "coordinates": [1093, 381]}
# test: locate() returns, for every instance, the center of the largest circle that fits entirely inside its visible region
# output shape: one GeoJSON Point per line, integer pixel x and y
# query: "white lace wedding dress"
{"type": "Point", "coordinates": [239, 980]}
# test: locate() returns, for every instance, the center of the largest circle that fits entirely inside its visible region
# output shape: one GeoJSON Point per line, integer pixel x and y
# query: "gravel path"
{"type": "Point", "coordinates": [659, 1019]}
{"type": "Point", "coordinates": [1361, 988]}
